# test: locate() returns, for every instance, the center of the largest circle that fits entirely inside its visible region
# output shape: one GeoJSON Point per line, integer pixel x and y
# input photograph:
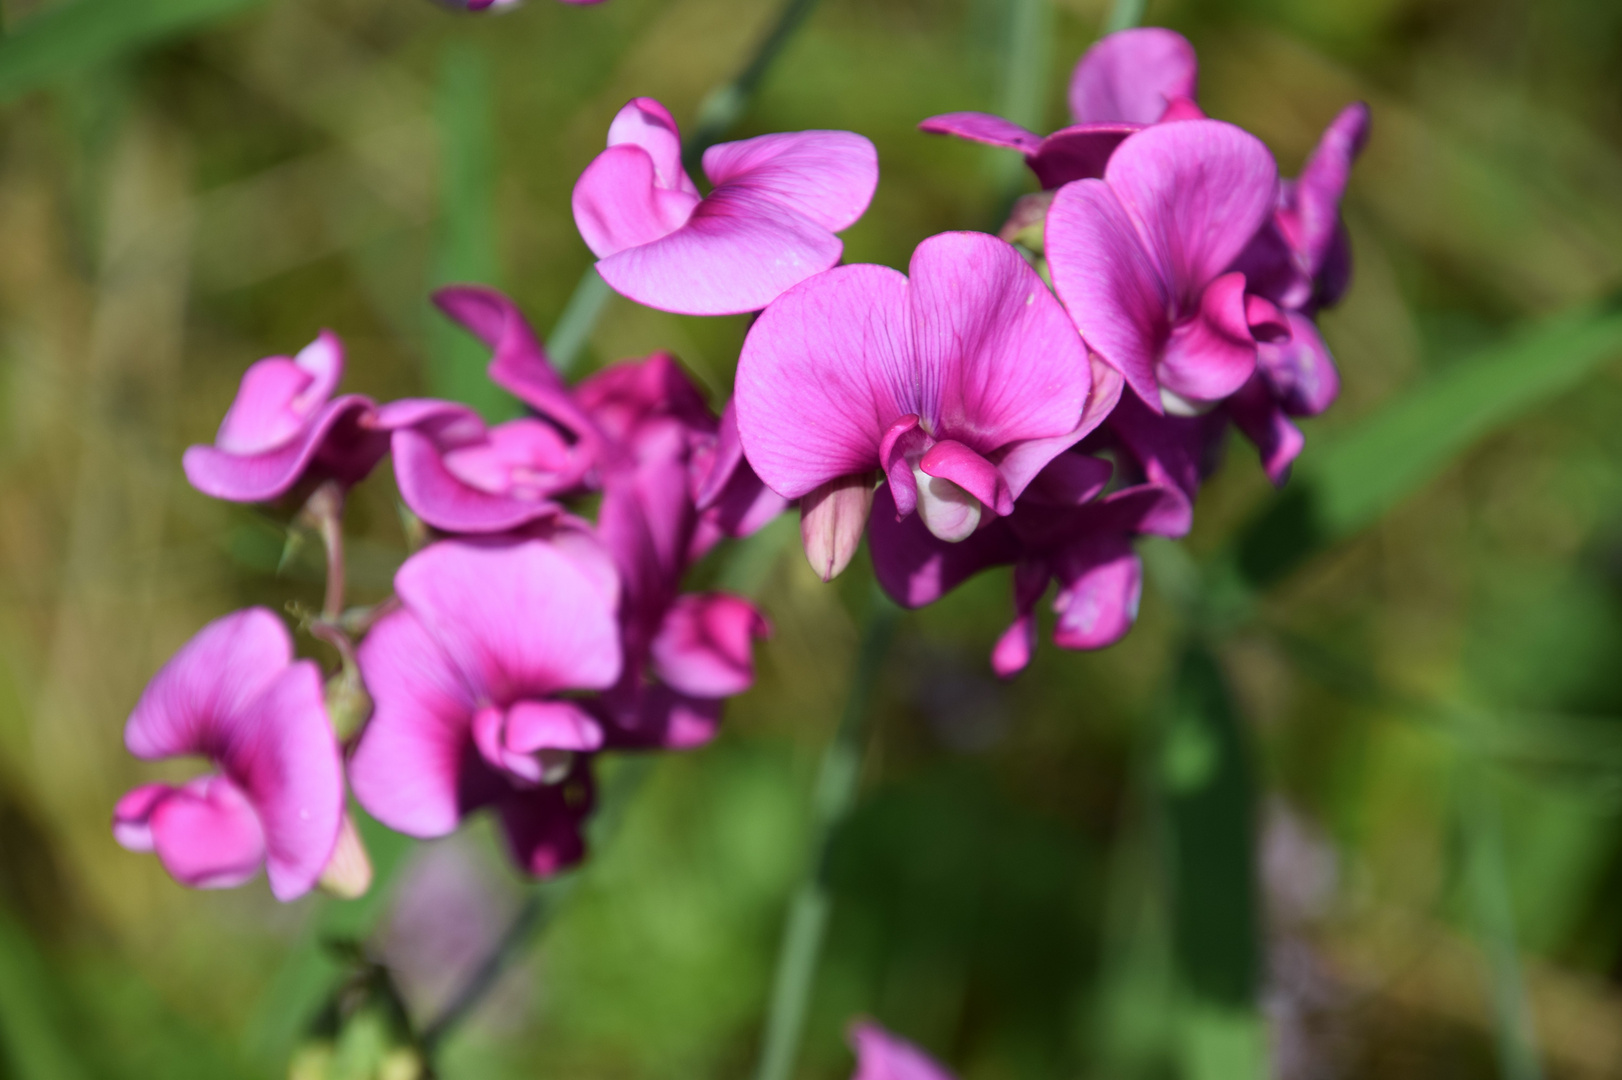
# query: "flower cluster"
{"type": "Point", "coordinates": [1036, 399]}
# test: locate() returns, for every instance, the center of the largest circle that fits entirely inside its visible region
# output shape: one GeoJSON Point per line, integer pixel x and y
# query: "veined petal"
{"type": "Point", "coordinates": [406, 770]}
{"type": "Point", "coordinates": [1109, 282]}
{"type": "Point", "coordinates": [645, 123]}
{"type": "Point", "coordinates": [447, 502]}
{"type": "Point", "coordinates": [282, 753]}
{"type": "Point", "coordinates": [983, 128]}
{"type": "Point", "coordinates": [546, 628]}
{"type": "Point", "coordinates": [824, 371]}
{"type": "Point", "coordinates": [738, 252]}
{"type": "Point", "coordinates": [207, 835]}
{"type": "Point", "coordinates": [825, 176]}
{"type": "Point", "coordinates": [1132, 75]}
{"type": "Point", "coordinates": [191, 704]}
{"type": "Point", "coordinates": [336, 441]}
{"type": "Point", "coordinates": [618, 204]}
{"type": "Point", "coordinates": [1211, 355]}
{"type": "Point", "coordinates": [1197, 192]}
{"type": "Point", "coordinates": [1021, 462]}
{"type": "Point", "coordinates": [1077, 153]}
{"type": "Point", "coordinates": [916, 568]}
{"type": "Point", "coordinates": [997, 360]}
{"type": "Point", "coordinates": [705, 646]}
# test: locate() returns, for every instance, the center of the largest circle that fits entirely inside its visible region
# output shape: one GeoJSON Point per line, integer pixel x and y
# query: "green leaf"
{"type": "Point", "coordinates": [1352, 481]}
{"type": "Point", "coordinates": [32, 1045]}
{"type": "Point", "coordinates": [74, 36]}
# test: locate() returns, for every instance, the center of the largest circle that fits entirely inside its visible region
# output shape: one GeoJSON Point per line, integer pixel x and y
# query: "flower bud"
{"type": "Point", "coordinates": [349, 872]}
{"type": "Point", "coordinates": [832, 520]}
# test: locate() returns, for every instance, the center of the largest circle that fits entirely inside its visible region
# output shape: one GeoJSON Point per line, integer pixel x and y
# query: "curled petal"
{"type": "Point", "coordinates": [443, 500]}
{"type": "Point", "coordinates": [1133, 75]}
{"type": "Point", "coordinates": [826, 176]}
{"type": "Point", "coordinates": [618, 203]}
{"type": "Point", "coordinates": [1020, 463]}
{"type": "Point", "coordinates": [983, 128]}
{"type": "Point", "coordinates": [1100, 586]}
{"type": "Point", "coordinates": [648, 125]}
{"type": "Point", "coordinates": [950, 460]}
{"type": "Point", "coordinates": [1013, 651]}
{"type": "Point", "coordinates": [207, 835]}
{"type": "Point", "coordinates": [1314, 221]}
{"type": "Point", "coordinates": [1267, 426]}
{"type": "Point", "coordinates": [1300, 373]}
{"type": "Point", "coordinates": [1211, 355]}
{"type": "Point", "coordinates": [336, 443]}
{"type": "Point", "coordinates": [542, 824]}
{"type": "Point", "coordinates": [132, 816]}
{"type": "Point", "coordinates": [1077, 153]}
{"type": "Point", "coordinates": [705, 647]}
{"type": "Point", "coordinates": [278, 396]}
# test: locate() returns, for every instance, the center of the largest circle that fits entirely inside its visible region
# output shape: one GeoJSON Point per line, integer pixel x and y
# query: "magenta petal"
{"type": "Point", "coordinates": [705, 646]}
{"type": "Point", "coordinates": [1300, 373]}
{"type": "Point", "coordinates": [1100, 585]}
{"type": "Point", "coordinates": [904, 442]}
{"type": "Point", "coordinates": [644, 122]}
{"type": "Point", "coordinates": [915, 568]}
{"type": "Point", "coordinates": [1211, 355]}
{"type": "Point", "coordinates": [1316, 217]}
{"type": "Point", "coordinates": [825, 176]}
{"type": "Point", "coordinates": [822, 371]}
{"type": "Point", "coordinates": [132, 824]}
{"type": "Point", "coordinates": [955, 462]}
{"type": "Point", "coordinates": [1077, 153]}
{"type": "Point", "coordinates": [738, 252]}
{"type": "Point", "coordinates": [1069, 480]}
{"type": "Point", "coordinates": [542, 825]}
{"type": "Point", "coordinates": [726, 457]}
{"type": "Point", "coordinates": [1020, 463]}
{"type": "Point", "coordinates": [1132, 75]}
{"type": "Point", "coordinates": [882, 1056]}
{"type": "Point", "coordinates": [997, 358]}
{"type": "Point", "coordinates": [1013, 651]}
{"type": "Point", "coordinates": [207, 835]}
{"type": "Point", "coordinates": [283, 754]}
{"type": "Point", "coordinates": [618, 205]}
{"type": "Point", "coordinates": [1197, 191]}
{"type": "Point", "coordinates": [1265, 424]}
{"type": "Point", "coordinates": [406, 769]}
{"type": "Point", "coordinates": [278, 396]}
{"type": "Point", "coordinates": [444, 501]}
{"type": "Point", "coordinates": [1112, 288]}
{"type": "Point", "coordinates": [546, 628]}
{"type": "Point", "coordinates": [983, 128]}
{"type": "Point", "coordinates": [189, 705]}
{"type": "Point", "coordinates": [267, 476]}
{"type": "Point", "coordinates": [551, 725]}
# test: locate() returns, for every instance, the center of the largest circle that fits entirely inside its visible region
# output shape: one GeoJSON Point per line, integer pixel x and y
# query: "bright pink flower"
{"type": "Point", "coordinates": [1141, 259]}
{"type": "Point", "coordinates": [235, 695]}
{"type": "Point", "coordinates": [460, 476]}
{"type": "Point", "coordinates": [497, 5]}
{"type": "Point", "coordinates": [958, 384]}
{"type": "Point", "coordinates": [768, 223]}
{"type": "Point", "coordinates": [467, 677]}
{"type": "Point", "coordinates": [1125, 82]}
{"type": "Point", "coordinates": [282, 428]}
{"type": "Point", "coordinates": [883, 1056]}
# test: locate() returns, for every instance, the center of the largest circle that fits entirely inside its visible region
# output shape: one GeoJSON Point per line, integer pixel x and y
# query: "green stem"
{"type": "Point", "coordinates": [722, 108]}
{"type": "Point", "coordinates": [835, 795]}
{"type": "Point", "coordinates": [1123, 15]}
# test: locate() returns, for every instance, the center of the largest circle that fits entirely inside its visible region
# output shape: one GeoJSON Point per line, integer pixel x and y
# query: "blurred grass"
{"type": "Point", "coordinates": [186, 187]}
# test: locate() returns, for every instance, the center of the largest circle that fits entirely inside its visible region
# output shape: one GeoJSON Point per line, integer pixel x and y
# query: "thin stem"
{"type": "Point", "coordinates": [720, 110]}
{"type": "Point", "coordinates": [835, 795]}
{"type": "Point", "coordinates": [1123, 15]}
{"type": "Point", "coordinates": [325, 512]}
{"type": "Point", "coordinates": [1025, 80]}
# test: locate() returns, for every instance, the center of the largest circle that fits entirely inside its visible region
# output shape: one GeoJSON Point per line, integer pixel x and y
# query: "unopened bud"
{"type": "Point", "coordinates": [832, 519]}
{"type": "Point", "coordinates": [349, 872]}
{"type": "Point", "coordinates": [948, 511]}
{"type": "Point", "coordinates": [1027, 222]}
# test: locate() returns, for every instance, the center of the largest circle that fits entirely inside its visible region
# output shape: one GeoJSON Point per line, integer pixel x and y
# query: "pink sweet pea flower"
{"type": "Point", "coordinates": [768, 223]}
{"type": "Point", "coordinates": [1126, 81]}
{"type": "Point", "coordinates": [466, 677]}
{"type": "Point", "coordinates": [461, 476]}
{"type": "Point", "coordinates": [958, 384]}
{"type": "Point", "coordinates": [1141, 259]}
{"type": "Point", "coordinates": [499, 5]}
{"type": "Point", "coordinates": [235, 695]}
{"type": "Point", "coordinates": [883, 1056]}
{"type": "Point", "coordinates": [282, 428]}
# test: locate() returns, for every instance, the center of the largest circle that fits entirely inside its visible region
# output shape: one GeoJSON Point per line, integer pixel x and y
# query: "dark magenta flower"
{"type": "Point", "coordinates": [235, 695]}
{"type": "Point", "coordinates": [1142, 257]}
{"type": "Point", "coordinates": [957, 384]}
{"type": "Point", "coordinates": [1126, 81]}
{"type": "Point", "coordinates": [285, 426]}
{"type": "Point", "coordinates": [470, 678]}
{"type": "Point", "coordinates": [767, 224]}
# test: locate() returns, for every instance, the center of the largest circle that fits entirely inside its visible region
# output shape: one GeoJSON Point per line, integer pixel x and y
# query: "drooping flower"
{"type": "Point", "coordinates": [883, 1056]}
{"type": "Point", "coordinates": [1142, 257]}
{"type": "Point", "coordinates": [235, 695]}
{"type": "Point", "coordinates": [468, 678]}
{"type": "Point", "coordinates": [957, 385]}
{"type": "Point", "coordinates": [1126, 81]}
{"type": "Point", "coordinates": [768, 223]}
{"type": "Point", "coordinates": [285, 426]}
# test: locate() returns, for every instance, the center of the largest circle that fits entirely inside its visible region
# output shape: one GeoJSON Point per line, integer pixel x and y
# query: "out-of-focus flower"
{"type": "Point", "coordinates": [1141, 259]}
{"type": "Point", "coordinates": [1126, 81]}
{"type": "Point", "coordinates": [235, 695]}
{"type": "Point", "coordinates": [285, 426]}
{"type": "Point", "coordinates": [501, 5]}
{"type": "Point", "coordinates": [958, 385]}
{"type": "Point", "coordinates": [883, 1056]}
{"type": "Point", "coordinates": [467, 677]}
{"type": "Point", "coordinates": [460, 476]}
{"type": "Point", "coordinates": [768, 223]}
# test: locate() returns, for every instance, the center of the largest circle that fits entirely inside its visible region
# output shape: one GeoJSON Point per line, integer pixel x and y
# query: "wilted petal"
{"type": "Point", "coordinates": [818, 367]}
{"type": "Point", "coordinates": [1132, 75]}
{"type": "Point", "coordinates": [705, 647]}
{"type": "Point", "coordinates": [826, 176]}
{"type": "Point", "coordinates": [882, 1056]}
{"type": "Point", "coordinates": [207, 835]}
{"type": "Point", "coordinates": [983, 128]}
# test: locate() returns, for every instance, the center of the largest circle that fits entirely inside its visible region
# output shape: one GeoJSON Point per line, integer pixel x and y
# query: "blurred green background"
{"type": "Point", "coordinates": [1407, 680]}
